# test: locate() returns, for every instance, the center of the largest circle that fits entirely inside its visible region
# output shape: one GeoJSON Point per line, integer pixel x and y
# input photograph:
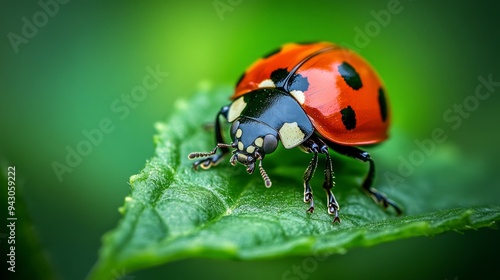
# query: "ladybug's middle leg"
{"type": "Point", "coordinates": [316, 145]}
{"type": "Point", "coordinates": [359, 154]}
{"type": "Point", "coordinates": [328, 183]}
{"type": "Point", "coordinates": [310, 147]}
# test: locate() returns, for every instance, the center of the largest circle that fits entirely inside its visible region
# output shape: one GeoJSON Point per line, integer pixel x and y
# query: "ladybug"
{"type": "Point", "coordinates": [315, 96]}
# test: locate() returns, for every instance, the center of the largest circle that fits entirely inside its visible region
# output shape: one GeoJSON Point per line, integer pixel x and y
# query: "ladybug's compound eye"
{"type": "Point", "coordinates": [269, 144]}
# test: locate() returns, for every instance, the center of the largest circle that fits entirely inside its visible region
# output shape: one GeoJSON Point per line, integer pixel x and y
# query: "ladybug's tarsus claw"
{"type": "Point", "coordinates": [308, 198]}
{"type": "Point", "coordinates": [204, 163]}
{"type": "Point", "coordinates": [333, 209]}
{"type": "Point", "coordinates": [398, 210]}
{"type": "Point", "coordinates": [336, 220]}
{"type": "Point", "coordinates": [382, 199]}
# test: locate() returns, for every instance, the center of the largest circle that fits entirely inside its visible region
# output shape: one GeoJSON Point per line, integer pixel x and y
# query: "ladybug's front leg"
{"type": "Point", "coordinates": [213, 158]}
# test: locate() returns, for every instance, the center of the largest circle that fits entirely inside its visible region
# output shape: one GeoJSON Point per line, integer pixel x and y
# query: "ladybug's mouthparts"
{"type": "Point", "coordinates": [249, 162]}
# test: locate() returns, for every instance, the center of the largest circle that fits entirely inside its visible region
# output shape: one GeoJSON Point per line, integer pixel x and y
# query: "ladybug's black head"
{"type": "Point", "coordinates": [252, 140]}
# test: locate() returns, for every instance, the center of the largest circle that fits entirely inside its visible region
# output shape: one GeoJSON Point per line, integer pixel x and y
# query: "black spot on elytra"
{"type": "Point", "coordinates": [241, 78]}
{"type": "Point", "coordinates": [382, 102]}
{"type": "Point", "coordinates": [272, 53]}
{"type": "Point", "coordinates": [351, 77]}
{"type": "Point", "coordinates": [278, 77]}
{"type": "Point", "coordinates": [348, 118]}
{"type": "Point", "coordinates": [295, 82]}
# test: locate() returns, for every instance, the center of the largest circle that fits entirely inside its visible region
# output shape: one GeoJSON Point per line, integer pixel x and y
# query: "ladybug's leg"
{"type": "Point", "coordinates": [310, 147]}
{"type": "Point", "coordinates": [213, 158]}
{"type": "Point", "coordinates": [357, 153]}
{"type": "Point", "coordinates": [316, 145]}
{"type": "Point", "coordinates": [328, 183]}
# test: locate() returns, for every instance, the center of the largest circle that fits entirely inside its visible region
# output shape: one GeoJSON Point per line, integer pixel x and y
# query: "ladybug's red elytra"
{"type": "Point", "coordinates": [315, 96]}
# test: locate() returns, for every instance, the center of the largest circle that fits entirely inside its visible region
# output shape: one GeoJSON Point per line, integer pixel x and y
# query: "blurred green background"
{"type": "Point", "coordinates": [84, 57]}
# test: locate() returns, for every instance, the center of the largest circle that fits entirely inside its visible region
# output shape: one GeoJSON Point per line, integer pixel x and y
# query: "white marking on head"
{"type": "Point", "coordinates": [259, 141]}
{"type": "Point", "coordinates": [235, 109]}
{"type": "Point", "coordinates": [291, 135]}
{"type": "Point", "coordinates": [250, 149]}
{"type": "Point", "coordinates": [239, 132]}
{"type": "Point", "coordinates": [240, 146]}
{"type": "Point", "coordinates": [267, 83]}
{"type": "Point", "coordinates": [299, 96]}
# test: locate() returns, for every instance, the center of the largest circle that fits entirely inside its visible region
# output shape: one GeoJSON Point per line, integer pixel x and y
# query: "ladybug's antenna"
{"type": "Point", "coordinates": [212, 152]}
{"type": "Point", "coordinates": [263, 173]}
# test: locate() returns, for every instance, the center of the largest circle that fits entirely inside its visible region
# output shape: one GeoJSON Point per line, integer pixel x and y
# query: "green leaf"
{"type": "Point", "coordinates": [174, 212]}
